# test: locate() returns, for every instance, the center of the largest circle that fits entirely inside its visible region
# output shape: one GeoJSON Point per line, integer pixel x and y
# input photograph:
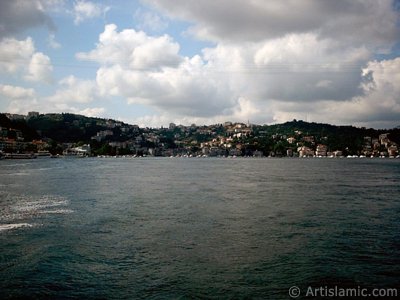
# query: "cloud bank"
{"type": "Point", "coordinates": [19, 15]}
{"type": "Point", "coordinates": [298, 75]}
{"type": "Point", "coordinates": [267, 61]}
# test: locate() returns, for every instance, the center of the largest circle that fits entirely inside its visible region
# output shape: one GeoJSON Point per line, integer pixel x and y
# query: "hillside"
{"type": "Point", "coordinates": [68, 128]}
{"type": "Point", "coordinates": [107, 136]}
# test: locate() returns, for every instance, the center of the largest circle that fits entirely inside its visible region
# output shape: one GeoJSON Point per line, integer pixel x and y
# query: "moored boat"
{"type": "Point", "coordinates": [43, 154]}
{"type": "Point", "coordinates": [20, 156]}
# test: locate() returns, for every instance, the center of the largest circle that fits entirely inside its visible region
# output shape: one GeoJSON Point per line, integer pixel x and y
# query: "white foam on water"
{"type": "Point", "coordinates": [28, 207]}
{"type": "Point", "coordinates": [17, 174]}
{"type": "Point", "coordinates": [8, 185]}
{"type": "Point", "coordinates": [57, 211]}
{"type": "Point", "coordinates": [33, 206]}
{"type": "Point", "coordinates": [48, 168]}
{"type": "Point", "coordinates": [4, 227]}
{"type": "Point", "coordinates": [16, 165]}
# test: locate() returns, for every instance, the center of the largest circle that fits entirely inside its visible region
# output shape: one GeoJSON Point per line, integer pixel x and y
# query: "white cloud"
{"type": "Point", "coordinates": [73, 96]}
{"type": "Point", "coordinates": [133, 49]}
{"type": "Point", "coordinates": [325, 84]}
{"type": "Point", "coordinates": [381, 102]}
{"type": "Point", "coordinates": [20, 58]}
{"type": "Point", "coordinates": [19, 99]}
{"type": "Point", "coordinates": [149, 20]}
{"type": "Point", "coordinates": [295, 66]}
{"type": "Point", "coordinates": [379, 106]}
{"type": "Point", "coordinates": [22, 106]}
{"type": "Point", "coordinates": [16, 92]}
{"type": "Point", "coordinates": [92, 112]}
{"type": "Point", "coordinates": [40, 68]}
{"type": "Point", "coordinates": [51, 41]}
{"type": "Point", "coordinates": [175, 90]}
{"type": "Point", "coordinates": [272, 61]}
{"type": "Point", "coordinates": [84, 10]}
{"type": "Point", "coordinates": [15, 54]}
{"type": "Point", "coordinates": [149, 70]}
{"type": "Point", "coordinates": [25, 106]}
{"type": "Point", "coordinates": [262, 81]}
{"type": "Point", "coordinates": [74, 90]}
{"type": "Point", "coordinates": [369, 22]}
{"type": "Point", "coordinates": [53, 5]}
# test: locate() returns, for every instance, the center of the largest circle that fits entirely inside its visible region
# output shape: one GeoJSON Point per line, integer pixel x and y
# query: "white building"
{"type": "Point", "coordinates": [337, 153]}
{"type": "Point", "coordinates": [321, 150]}
{"type": "Point", "coordinates": [305, 151]}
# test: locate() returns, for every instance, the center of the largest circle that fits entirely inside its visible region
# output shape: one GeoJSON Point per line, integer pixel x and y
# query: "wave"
{"type": "Point", "coordinates": [17, 174]}
{"type": "Point", "coordinates": [49, 168]}
{"type": "Point", "coordinates": [15, 165]}
{"type": "Point", "coordinates": [34, 206]}
{"type": "Point", "coordinates": [4, 227]}
{"type": "Point", "coordinates": [24, 208]}
{"type": "Point", "coordinates": [57, 211]}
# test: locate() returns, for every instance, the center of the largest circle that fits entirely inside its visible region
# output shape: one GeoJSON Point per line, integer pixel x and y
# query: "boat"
{"type": "Point", "coordinates": [20, 156]}
{"type": "Point", "coordinates": [79, 152]}
{"type": "Point", "coordinates": [42, 153]}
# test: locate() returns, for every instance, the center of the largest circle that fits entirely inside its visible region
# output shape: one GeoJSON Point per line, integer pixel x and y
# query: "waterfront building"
{"type": "Point", "coordinates": [321, 150]}
{"type": "Point", "coordinates": [337, 153]}
{"type": "Point", "coordinates": [393, 151]}
{"type": "Point", "coordinates": [305, 151]}
{"type": "Point", "coordinates": [291, 140]}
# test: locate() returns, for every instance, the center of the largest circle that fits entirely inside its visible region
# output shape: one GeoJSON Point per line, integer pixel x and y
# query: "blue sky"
{"type": "Point", "coordinates": [153, 62]}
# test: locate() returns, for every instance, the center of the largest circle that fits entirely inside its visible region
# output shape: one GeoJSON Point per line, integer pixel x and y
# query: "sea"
{"type": "Point", "coordinates": [197, 228]}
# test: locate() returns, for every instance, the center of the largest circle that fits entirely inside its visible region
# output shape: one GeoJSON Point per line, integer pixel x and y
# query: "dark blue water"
{"type": "Point", "coordinates": [196, 228]}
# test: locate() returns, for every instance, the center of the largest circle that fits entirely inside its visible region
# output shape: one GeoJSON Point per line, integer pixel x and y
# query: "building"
{"type": "Point", "coordinates": [118, 144]}
{"type": "Point", "coordinates": [393, 151]}
{"type": "Point", "coordinates": [384, 139]}
{"type": "Point", "coordinates": [15, 116]}
{"type": "Point", "coordinates": [101, 135]}
{"type": "Point", "coordinates": [305, 151]}
{"type": "Point", "coordinates": [291, 140]}
{"type": "Point", "coordinates": [309, 139]}
{"type": "Point", "coordinates": [321, 150]}
{"type": "Point", "coordinates": [337, 153]}
{"type": "Point", "coordinates": [32, 114]}
{"type": "Point", "coordinates": [258, 153]}
{"type": "Point", "coordinates": [367, 140]}
{"type": "Point", "coordinates": [3, 132]}
{"type": "Point", "coordinates": [235, 152]}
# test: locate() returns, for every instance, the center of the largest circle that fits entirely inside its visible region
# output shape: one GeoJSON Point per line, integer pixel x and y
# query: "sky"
{"type": "Point", "coordinates": [153, 62]}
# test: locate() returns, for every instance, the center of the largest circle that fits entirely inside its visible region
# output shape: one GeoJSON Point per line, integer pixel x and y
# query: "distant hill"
{"type": "Point", "coordinates": [335, 137]}
{"type": "Point", "coordinates": [28, 132]}
{"type": "Point", "coordinates": [345, 134]}
{"type": "Point", "coordinates": [105, 134]}
{"type": "Point", "coordinates": [66, 127]}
